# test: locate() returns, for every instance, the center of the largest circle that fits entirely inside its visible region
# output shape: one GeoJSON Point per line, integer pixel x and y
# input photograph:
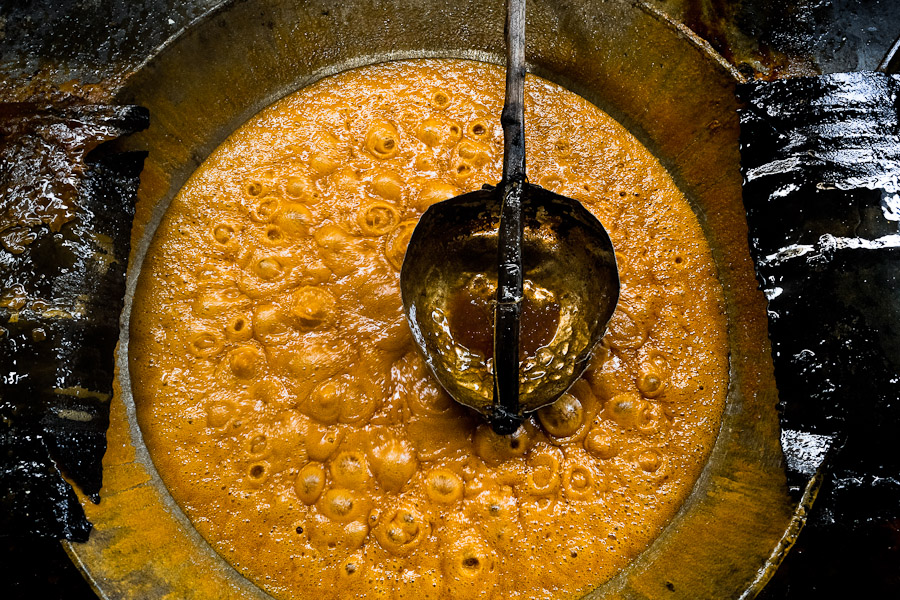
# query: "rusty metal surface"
{"type": "Point", "coordinates": [83, 49]}
{"type": "Point", "coordinates": [86, 49]}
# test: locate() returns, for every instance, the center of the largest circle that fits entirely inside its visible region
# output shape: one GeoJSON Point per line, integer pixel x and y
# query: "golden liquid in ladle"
{"type": "Point", "coordinates": [471, 319]}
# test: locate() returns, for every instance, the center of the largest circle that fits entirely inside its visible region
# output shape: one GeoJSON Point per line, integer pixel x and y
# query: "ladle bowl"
{"type": "Point", "coordinates": [565, 251]}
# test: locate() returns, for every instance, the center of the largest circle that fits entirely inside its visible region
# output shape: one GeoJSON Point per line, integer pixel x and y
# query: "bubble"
{"type": "Point", "coordinates": [461, 170]}
{"type": "Point", "coordinates": [351, 572]}
{"type": "Point", "coordinates": [269, 268]}
{"type": "Point", "coordinates": [257, 444]}
{"type": "Point", "coordinates": [543, 477]}
{"type": "Point", "coordinates": [324, 403]}
{"type": "Point", "coordinates": [273, 235]}
{"type": "Point", "coordinates": [258, 472]}
{"type": "Point", "coordinates": [377, 218]}
{"type": "Point", "coordinates": [358, 405]}
{"type": "Point", "coordinates": [264, 210]}
{"type": "Point", "coordinates": [313, 307]}
{"type": "Point", "coordinates": [625, 331]}
{"type": "Point", "coordinates": [444, 486]}
{"type": "Point", "coordinates": [205, 344]}
{"type": "Point", "coordinates": [578, 482]}
{"type": "Point", "coordinates": [396, 243]}
{"type": "Point", "coordinates": [562, 147]}
{"type": "Point", "coordinates": [649, 460]}
{"type": "Point", "coordinates": [219, 413]}
{"type": "Point", "coordinates": [433, 192]}
{"type": "Point", "coordinates": [270, 324]}
{"type": "Point", "coordinates": [553, 183]}
{"type": "Point", "coordinates": [600, 444]}
{"type": "Point", "coordinates": [339, 505]}
{"type": "Point", "coordinates": [630, 411]}
{"type": "Point", "coordinates": [326, 155]}
{"type": "Point", "coordinates": [254, 188]}
{"type": "Point", "coordinates": [475, 153]}
{"type": "Point", "coordinates": [393, 463]}
{"type": "Point", "coordinates": [440, 100]}
{"type": "Point", "coordinates": [650, 383]}
{"type": "Point", "coordinates": [654, 374]}
{"type": "Point", "coordinates": [238, 328]}
{"type": "Point", "coordinates": [270, 391]}
{"type": "Point", "coordinates": [479, 129]}
{"type": "Point", "coordinates": [382, 140]}
{"type": "Point", "coordinates": [470, 567]}
{"type": "Point", "coordinates": [436, 133]}
{"type": "Point", "coordinates": [349, 470]}
{"type": "Point", "coordinates": [331, 237]}
{"type": "Point", "coordinates": [564, 417]}
{"type": "Point", "coordinates": [426, 397]}
{"type": "Point", "coordinates": [624, 409]}
{"type": "Point", "coordinates": [388, 185]}
{"type": "Point", "coordinates": [322, 443]}
{"type": "Point", "coordinates": [425, 163]}
{"type": "Point", "coordinates": [245, 362]}
{"type": "Point", "coordinates": [225, 237]}
{"type": "Point", "coordinates": [223, 233]}
{"type": "Point", "coordinates": [301, 189]}
{"type": "Point", "coordinates": [337, 535]}
{"type": "Point", "coordinates": [494, 449]}
{"type": "Point", "coordinates": [400, 531]}
{"type": "Point", "coordinates": [649, 418]}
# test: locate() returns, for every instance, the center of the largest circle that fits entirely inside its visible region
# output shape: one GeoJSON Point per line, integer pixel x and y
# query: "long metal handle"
{"type": "Point", "coordinates": [513, 116]}
{"type": "Point", "coordinates": [507, 313]}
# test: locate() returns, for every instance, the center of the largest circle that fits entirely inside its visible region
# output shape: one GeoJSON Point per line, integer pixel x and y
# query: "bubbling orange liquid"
{"type": "Point", "coordinates": [287, 410]}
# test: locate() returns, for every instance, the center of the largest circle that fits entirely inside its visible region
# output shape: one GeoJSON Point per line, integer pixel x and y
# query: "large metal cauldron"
{"type": "Point", "coordinates": [664, 84]}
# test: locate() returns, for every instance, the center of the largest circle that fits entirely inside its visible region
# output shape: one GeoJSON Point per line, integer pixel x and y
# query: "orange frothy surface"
{"type": "Point", "coordinates": [286, 408]}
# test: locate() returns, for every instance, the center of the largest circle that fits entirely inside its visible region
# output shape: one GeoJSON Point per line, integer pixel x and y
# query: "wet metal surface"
{"type": "Point", "coordinates": [65, 223]}
{"type": "Point", "coordinates": [821, 164]}
{"type": "Point", "coordinates": [777, 38]}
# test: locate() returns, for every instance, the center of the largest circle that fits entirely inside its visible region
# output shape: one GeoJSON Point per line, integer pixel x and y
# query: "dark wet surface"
{"type": "Point", "coordinates": [65, 228]}
{"type": "Point", "coordinates": [786, 38]}
{"type": "Point", "coordinates": [83, 47]}
{"type": "Point", "coordinates": [821, 164]}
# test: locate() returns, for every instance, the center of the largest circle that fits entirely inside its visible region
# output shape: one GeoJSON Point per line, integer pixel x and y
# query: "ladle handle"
{"type": "Point", "coordinates": [513, 116]}
{"type": "Point", "coordinates": [505, 418]}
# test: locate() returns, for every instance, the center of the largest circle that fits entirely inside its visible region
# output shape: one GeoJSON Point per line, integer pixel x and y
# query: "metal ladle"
{"type": "Point", "coordinates": [527, 243]}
